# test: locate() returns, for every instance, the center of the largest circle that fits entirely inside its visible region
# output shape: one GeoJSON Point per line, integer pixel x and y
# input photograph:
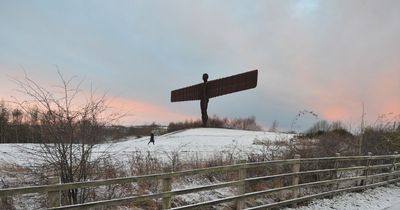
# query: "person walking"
{"type": "Point", "coordinates": [151, 139]}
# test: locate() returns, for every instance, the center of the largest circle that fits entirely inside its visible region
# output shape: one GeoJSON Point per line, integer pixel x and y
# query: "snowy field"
{"type": "Point", "coordinates": [201, 143]}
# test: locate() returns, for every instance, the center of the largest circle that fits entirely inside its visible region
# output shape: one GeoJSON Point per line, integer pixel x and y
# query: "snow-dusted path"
{"type": "Point", "coordinates": [381, 198]}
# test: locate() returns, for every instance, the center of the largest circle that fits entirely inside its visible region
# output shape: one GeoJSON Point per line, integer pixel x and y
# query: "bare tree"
{"type": "Point", "coordinates": [16, 120]}
{"type": "Point", "coordinates": [70, 128]}
{"type": "Point", "coordinates": [299, 115]}
{"type": "Point", "coordinates": [4, 115]}
{"type": "Point", "coordinates": [274, 126]}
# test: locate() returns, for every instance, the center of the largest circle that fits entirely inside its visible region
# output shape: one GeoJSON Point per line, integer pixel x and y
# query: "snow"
{"type": "Point", "coordinates": [372, 199]}
{"type": "Point", "coordinates": [199, 140]}
{"type": "Point", "coordinates": [202, 196]}
{"type": "Point", "coordinates": [15, 154]}
{"type": "Point", "coordinates": [202, 143]}
{"type": "Point", "coordinates": [205, 142]}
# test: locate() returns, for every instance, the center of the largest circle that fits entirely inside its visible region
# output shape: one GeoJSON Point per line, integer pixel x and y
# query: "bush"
{"type": "Point", "coordinates": [217, 122]}
{"type": "Point", "coordinates": [325, 139]}
{"type": "Point", "coordinates": [381, 139]}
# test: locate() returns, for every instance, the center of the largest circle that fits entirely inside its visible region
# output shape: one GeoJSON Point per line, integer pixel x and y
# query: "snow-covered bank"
{"type": "Point", "coordinates": [372, 199]}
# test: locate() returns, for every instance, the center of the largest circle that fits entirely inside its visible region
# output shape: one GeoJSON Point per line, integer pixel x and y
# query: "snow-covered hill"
{"type": "Point", "coordinates": [200, 142]}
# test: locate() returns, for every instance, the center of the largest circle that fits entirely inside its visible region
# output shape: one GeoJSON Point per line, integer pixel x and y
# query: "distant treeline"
{"type": "Point", "coordinates": [117, 132]}
{"type": "Point", "coordinates": [19, 126]}
{"type": "Point", "coordinates": [248, 123]}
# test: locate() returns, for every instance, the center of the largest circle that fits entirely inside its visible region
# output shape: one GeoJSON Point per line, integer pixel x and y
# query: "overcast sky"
{"type": "Point", "coordinates": [325, 56]}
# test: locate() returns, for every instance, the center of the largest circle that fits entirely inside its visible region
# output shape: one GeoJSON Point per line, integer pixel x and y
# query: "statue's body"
{"type": "Point", "coordinates": [204, 101]}
{"type": "Point", "coordinates": [209, 89]}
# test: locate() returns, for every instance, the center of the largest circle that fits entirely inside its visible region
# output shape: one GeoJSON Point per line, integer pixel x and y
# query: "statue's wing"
{"type": "Point", "coordinates": [187, 94]}
{"type": "Point", "coordinates": [232, 84]}
{"type": "Point", "coordinates": [217, 87]}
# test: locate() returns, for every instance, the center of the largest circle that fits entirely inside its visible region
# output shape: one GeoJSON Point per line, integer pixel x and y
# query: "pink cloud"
{"type": "Point", "coordinates": [344, 101]}
{"type": "Point", "coordinates": [141, 112]}
{"type": "Point", "coordinates": [385, 92]}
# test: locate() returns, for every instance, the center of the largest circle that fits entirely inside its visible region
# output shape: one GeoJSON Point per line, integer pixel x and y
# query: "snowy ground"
{"type": "Point", "coordinates": [381, 198]}
{"type": "Point", "coordinates": [201, 142]}
{"type": "Point", "coordinates": [204, 143]}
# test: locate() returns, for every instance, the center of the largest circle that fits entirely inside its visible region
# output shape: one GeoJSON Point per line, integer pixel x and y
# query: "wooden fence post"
{"type": "Point", "coordinates": [53, 197]}
{"type": "Point", "coordinates": [367, 169]}
{"type": "Point", "coordinates": [166, 187]}
{"type": "Point", "coordinates": [6, 202]}
{"type": "Point", "coordinates": [393, 168]}
{"type": "Point", "coordinates": [241, 203]}
{"type": "Point", "coordinates": [336, 166]}
{"type": "Point", "coordinates": [295, 178]}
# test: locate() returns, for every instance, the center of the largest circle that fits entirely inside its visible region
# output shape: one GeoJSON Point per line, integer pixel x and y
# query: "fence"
{"type": "Point", "coordinates": [332, 174]}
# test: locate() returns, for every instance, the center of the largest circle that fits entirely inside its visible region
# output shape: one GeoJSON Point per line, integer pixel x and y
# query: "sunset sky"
{"type": "Point", "coordinates": [325, 56]}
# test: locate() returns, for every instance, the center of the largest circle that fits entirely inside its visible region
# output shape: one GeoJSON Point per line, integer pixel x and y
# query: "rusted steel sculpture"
{"type": "Point", "coordinates": [209, 89]}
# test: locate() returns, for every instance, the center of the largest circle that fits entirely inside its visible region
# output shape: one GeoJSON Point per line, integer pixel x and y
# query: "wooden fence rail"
{"type": "Point", "coordinates": [372, 175]}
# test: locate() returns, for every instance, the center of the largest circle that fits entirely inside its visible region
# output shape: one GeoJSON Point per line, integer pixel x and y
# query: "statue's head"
{"type": "Point", "coordinates": [205, 77]}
